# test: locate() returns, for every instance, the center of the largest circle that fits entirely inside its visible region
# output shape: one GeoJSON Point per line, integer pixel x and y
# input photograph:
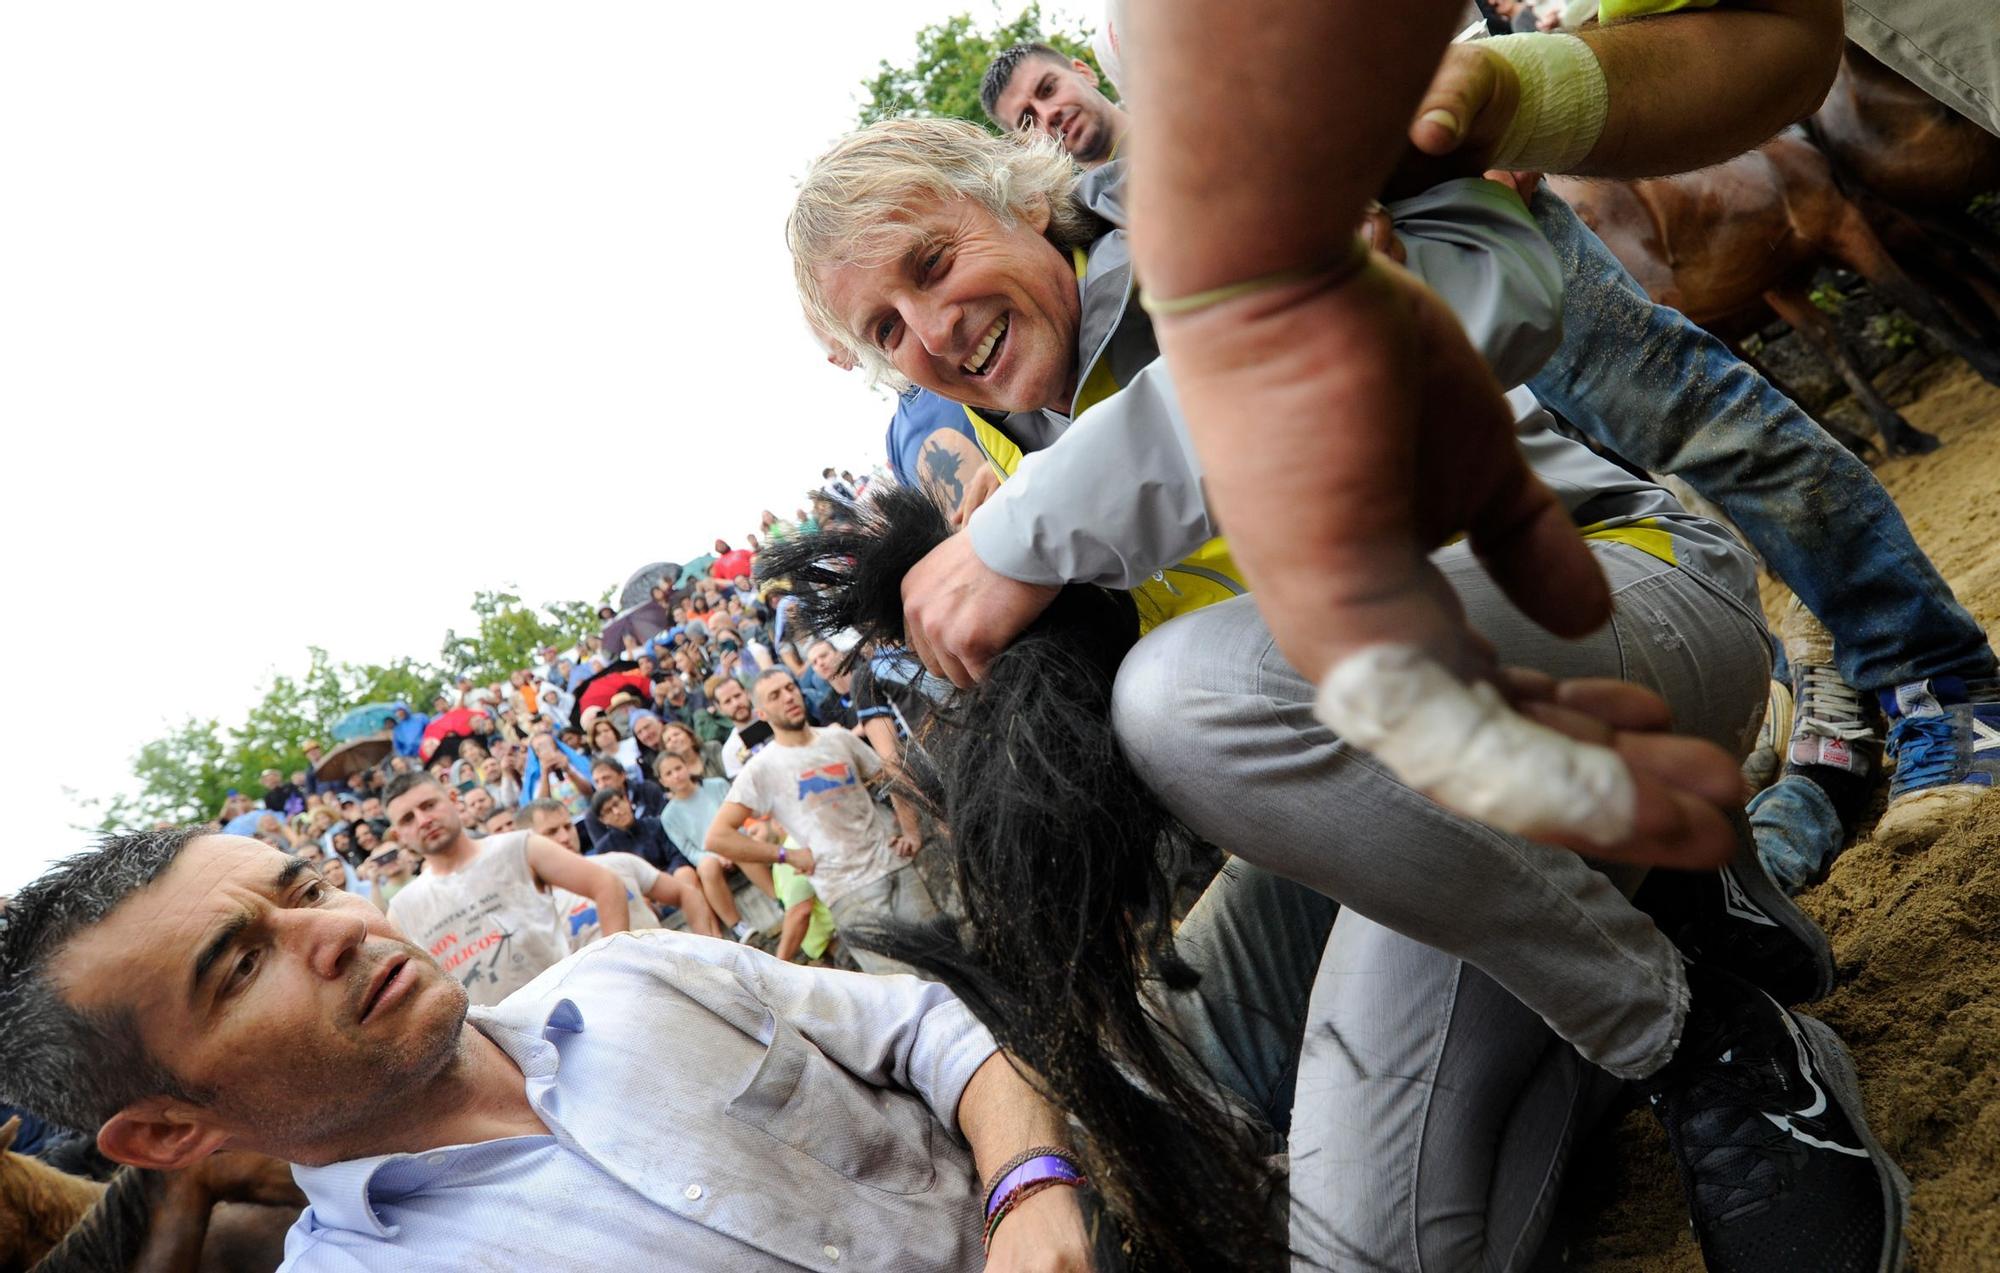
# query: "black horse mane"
{"type": "Point", "coordinates": [1066, 869]}
{"type": "Point", "coordinates": [110, 1234]}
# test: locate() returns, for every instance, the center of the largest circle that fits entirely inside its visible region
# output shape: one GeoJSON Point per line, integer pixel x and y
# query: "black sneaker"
{"type": "Point", "coordinates": [1739, 920]}
{"type": "Point", "coordinates": [1762, 1110]}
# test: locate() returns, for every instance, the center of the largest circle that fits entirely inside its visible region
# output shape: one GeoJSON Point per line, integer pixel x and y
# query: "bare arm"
{"type": "Point", "coordinates": [1001, 1115]}
{"type": "Point", "coordinates": [1687, 89]}
{"type": "Point", "coordinates": [557, 866]}
{"type": "Point", "coordinates": [725, 837]}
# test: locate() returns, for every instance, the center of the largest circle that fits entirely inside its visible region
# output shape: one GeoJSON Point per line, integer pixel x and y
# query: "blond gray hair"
{"type": "Point", "coordinates": [853, 206]}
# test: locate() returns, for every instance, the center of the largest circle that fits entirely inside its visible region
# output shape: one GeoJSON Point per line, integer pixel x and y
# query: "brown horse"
{"type": "Point", "coordinates": [228, 1214]}
{"type": "Point", "coordinates": [1727, 243]}
{"type": "Point", "coordinates": [38, 1204]}
{"type": "Point", "coordinates": [1914, 165]}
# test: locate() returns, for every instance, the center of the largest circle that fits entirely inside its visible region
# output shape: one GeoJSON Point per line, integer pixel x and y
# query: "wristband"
{"type": "Point", "coordinates": [1025, 1175]}
{"type": "Point", "coordinates": [1332, 274]}
{"type": "Point", "coordinates": [1563, 104]}
{"type": "Point", "coordinates": [781, 855]}
{"type": "Point", "coordinates": [1038, 1163]}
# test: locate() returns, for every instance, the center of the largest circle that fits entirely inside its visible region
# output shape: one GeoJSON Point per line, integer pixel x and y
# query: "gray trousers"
{"type": "Point", "coordinates": [901, 896]}
{"type": "Point", "coordinates": [1221, 727]}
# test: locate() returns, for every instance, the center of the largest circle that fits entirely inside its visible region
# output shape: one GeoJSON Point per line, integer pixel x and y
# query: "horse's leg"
{"type": "Point", "coordinates": [1898, 435]}
{"type": "Point", "coordinates": [1853, 243]}
{"type": "Point", "coordinates": [1951, 273]}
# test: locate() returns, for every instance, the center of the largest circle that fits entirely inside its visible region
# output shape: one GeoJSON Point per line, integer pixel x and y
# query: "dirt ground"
{"type": "Point", "coordinates": [1917, 935]}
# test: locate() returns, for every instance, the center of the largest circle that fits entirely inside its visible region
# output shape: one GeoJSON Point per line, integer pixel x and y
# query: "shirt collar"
{"type": "Point", "coordinates": [345, 1195]}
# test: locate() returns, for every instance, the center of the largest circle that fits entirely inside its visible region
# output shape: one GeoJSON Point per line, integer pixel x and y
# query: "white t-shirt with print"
{"type": "Point", "coordinates": [487, 924]}
{"type": "Point", "coordinates": [819, 793]}
{"type": "Point", "coordinates": [578, 914]}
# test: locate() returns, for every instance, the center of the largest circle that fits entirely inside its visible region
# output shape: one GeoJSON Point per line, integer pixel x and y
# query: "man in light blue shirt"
{"type": "Point", "coordinates": [657, 1101]}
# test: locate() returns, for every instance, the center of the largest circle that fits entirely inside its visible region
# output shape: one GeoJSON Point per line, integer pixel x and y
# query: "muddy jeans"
{"type": "Point", "coordinates": [1664, 394]}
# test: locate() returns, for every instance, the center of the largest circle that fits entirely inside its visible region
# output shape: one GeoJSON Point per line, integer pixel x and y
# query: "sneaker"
{"type": "Point", "coordinates": [1761, 766]}
{"type": "Point", "coordinates": [1739, 919]}
{"type": "Point", "coordinates": [1762, 1110]}
{"type": "Point", "coordinates": [1834, 741]}
{"type": "Point", "coordinates": [1944, 735]}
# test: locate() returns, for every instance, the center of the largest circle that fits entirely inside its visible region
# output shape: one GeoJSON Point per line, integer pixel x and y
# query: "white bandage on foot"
{"type": "Point", "coordinates": [1564, 101]}
{"type": "Point", "coordinates": [1465, 748]}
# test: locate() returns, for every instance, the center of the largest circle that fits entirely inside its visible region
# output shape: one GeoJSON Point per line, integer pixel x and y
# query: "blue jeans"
{"type": "Point", "coordinates": [1661, 392]}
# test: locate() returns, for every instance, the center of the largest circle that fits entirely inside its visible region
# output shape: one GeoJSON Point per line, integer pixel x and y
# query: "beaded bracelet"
{"type": "Point", "coordinates": [1021, 1193]}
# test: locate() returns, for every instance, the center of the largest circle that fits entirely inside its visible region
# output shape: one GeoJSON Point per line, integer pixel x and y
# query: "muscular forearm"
{"type": "Point", "coordinates": [1000, 1115]}
{"type": "Point", "coordinates": [614, 910]}
{"type": "Point", "coordinates": [738, 847]}
{"type": "Point", "coordinates": [1240, 99]}
{"type": "Point", "coordinates": [1696, 87]}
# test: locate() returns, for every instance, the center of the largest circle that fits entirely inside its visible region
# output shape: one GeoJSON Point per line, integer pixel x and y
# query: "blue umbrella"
{"type": "Point", "coordinates": [246, 823]}
{"type": "Point", "coordinates": [369, 718]}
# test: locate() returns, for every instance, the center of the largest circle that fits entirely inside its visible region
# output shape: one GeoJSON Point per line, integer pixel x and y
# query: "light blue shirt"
{"type": "Point", "coordinates": [708, 1107]}
{"type": "Point", "coordinates": [686, 821]}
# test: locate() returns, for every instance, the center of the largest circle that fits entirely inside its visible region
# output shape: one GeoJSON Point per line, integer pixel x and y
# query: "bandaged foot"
{"type": "Point", "coordinates": [1466, 748]}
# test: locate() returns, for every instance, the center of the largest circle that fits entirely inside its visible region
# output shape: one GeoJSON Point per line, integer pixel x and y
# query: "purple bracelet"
{"type": "Point", "coordinates": [1040, 1167]}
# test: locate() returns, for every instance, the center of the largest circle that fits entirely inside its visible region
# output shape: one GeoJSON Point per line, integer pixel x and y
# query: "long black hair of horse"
{"type": "Point", "coordinates": [1066, 869]}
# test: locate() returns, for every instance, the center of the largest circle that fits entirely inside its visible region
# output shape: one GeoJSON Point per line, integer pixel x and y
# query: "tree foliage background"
{"type": "Point", "coordinates": [185, 774]}
{"type": "Point", "coordinates": [952, 56]}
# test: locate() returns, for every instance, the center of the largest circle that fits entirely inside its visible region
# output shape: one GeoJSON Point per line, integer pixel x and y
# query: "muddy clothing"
{"type": "Point", "coordinates": [486, 924]}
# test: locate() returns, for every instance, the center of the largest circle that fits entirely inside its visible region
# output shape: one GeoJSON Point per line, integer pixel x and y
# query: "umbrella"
{"type": "Point", "coordinates": [369, 718]}
{"type": "Point", "coordinates": [642, 621]}
{"type": "Point", "coordinates": [246, 823]}
{"type": "Point", "coordinates": [350, 758]}
{"type": "Point", "coordinates": [599, 690]}
{"type": "Point", "coordinates": [442, 733]}
{"type": "Point", "coordinates": [640, 586]}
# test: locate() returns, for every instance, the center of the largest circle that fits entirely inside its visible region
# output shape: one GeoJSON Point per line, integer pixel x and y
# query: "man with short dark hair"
{"type": "Point", "coordinates": [835, 705]}
{"type": "Point", "coordinates": [732, 702]}
{"type": "Point", "coordinates": [180, 993]}
{"type": "Point", "coordinates": [644, 883]}
{"type": "Point", "coordinates": [1032, 88]}
{"type": "Point", "coordinates": [816, 784]}
{"type": "Point", "coordinates": [481, 908]}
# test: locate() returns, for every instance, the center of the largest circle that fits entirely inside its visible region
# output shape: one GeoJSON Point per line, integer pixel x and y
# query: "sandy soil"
{"type": "Point", "coordinates": [1917, 934]}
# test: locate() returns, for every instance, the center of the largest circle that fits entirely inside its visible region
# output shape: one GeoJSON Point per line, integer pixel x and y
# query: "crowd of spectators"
{"type": "Point", "coordinates": [634, 781]}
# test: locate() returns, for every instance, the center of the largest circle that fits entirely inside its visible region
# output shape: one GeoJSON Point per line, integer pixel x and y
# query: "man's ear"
{"type": "Point", "coordinates": [1084, 69]}
{"type": "Point", "coordinates": [157, 1133]}
{"type": "Point", "coordinates": [1037, 215]}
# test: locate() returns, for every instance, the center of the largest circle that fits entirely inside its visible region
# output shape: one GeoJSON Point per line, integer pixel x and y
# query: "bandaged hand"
{"type": "Point", "coordinates": [1532, 101]}
{"type": "Point", "coordinates": [1367, 433]}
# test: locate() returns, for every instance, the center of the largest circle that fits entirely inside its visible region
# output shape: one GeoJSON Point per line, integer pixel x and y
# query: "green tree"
{"type": "Point", "coordinates": [952, 56]}
{"type": "Point", "coordinates": [185, 774]}
{"type": "Point", "coordinates": [510, 634]}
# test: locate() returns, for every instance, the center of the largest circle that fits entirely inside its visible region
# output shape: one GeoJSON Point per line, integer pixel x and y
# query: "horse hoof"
{"type": "Point", "coordinates": [1912, 442]}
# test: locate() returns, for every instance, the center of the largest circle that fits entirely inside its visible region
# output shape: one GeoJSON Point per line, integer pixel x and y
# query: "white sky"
{"type": "Point", "coordinates": [264, 267]}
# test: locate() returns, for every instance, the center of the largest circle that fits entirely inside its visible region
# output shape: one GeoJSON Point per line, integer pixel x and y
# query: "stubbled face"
{"type": "Point", "coordinates": [296, 1007]}
{"type": "Point", "coordinates": [425, 819]}
{"type": "Point", "coordinates": [980, 311]}
{"type": "Point", "coordinates": [733, 701]}
{"type": "Point", "coordinates": [1061, 100]}
{"type": "Point", "coordinates": [779, 701]}
{"type": "Point", "coordinates": [478, 803]}
{"type": "Point", "coordinates": [825, 660]}
{"type": "Point", "coordinates": [557, 827]}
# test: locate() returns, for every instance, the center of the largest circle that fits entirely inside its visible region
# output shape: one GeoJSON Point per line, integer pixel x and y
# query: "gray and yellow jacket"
{"type": "Point", "coordinates": [1113, 495]}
